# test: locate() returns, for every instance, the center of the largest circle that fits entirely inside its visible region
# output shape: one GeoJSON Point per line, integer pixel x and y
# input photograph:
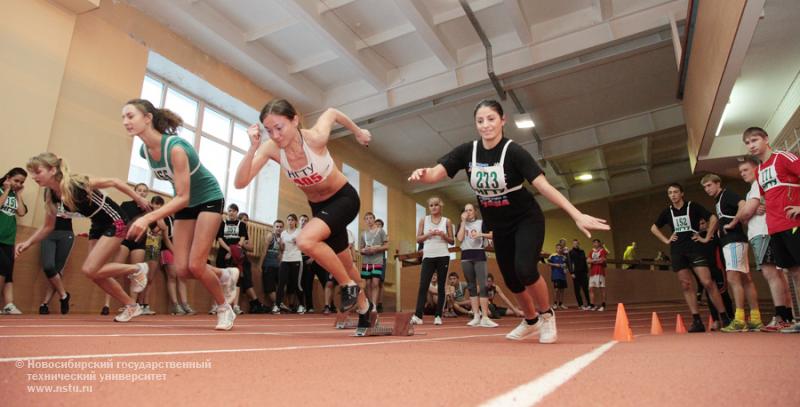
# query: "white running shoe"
{"type": "Point", "coordinates": [601, 309]}
{"type": "Point", "coordinates": [523, 330]}
{"type": "Point", "coordinates": [301, 309]}
{"type": "Point", "coordinates": [474, 321]}
{"type": "Point", "coordinates": [415, 320]}
{"type": "Point", "coordinates": [562, 306]}
{"type": "Point", "coordinates": [276, 310]}
{"type": "Point", "coordinates": [487, 323]}
{"type": "Point", "coordinates": [213, 310]}
{"type": "Point", "coordinates": [128, 313]}
{"type": "Point", "coordinates": [237, 310]}
{"type": "Point", "coordinates": [437, 321]}
{"type": "Point", "coordinates": [548, 332]}
{"type": "Point", "coordinates": [229, 288]}
{"type": "Point", "coordinates": [139, 278]}
{"type": "Point", "coordinates": [147, 311]}
{"type": "Point", "coordinates": [225, 317]}
{"type": "Point", "coordinates": [11, 309]}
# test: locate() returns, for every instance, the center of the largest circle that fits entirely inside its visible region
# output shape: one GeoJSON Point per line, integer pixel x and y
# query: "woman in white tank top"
{"type": "Point", "coordinates": [435, 233]}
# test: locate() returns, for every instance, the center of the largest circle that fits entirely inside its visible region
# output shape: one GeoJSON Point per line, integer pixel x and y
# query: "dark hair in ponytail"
{"type": "Point", "coordinates": [165, 121]}
{"type": "Point", "coordinates": [280, 107]}
{"type": "Point", "coordinates": [491, 104]}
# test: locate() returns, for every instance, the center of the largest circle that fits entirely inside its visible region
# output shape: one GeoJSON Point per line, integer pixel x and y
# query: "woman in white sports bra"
{"type": "Point", "coordinates": [304, 157]}
{"type": "Point", "coordinates": [498, 168]}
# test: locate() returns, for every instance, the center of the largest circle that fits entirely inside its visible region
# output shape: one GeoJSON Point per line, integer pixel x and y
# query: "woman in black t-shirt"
{"type": "Point", "coordinates": [497, 169]}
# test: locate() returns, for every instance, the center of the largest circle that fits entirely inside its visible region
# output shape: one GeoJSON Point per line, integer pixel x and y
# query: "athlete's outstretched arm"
{"type": "Point", "coordinates": [322, 128]}
{"type": "Point", "coordinates": [584, 222]}
{"type": "Point", "coordinates": [180, 169]}
{"type": "Point", "coordinates": [41, 233]}
{"type": "Point", "coordinates": [100, 183]}
{"type": "Point", "coordinates": [430, 175]}
{"type": "Point", "coordinates": [254, 160]}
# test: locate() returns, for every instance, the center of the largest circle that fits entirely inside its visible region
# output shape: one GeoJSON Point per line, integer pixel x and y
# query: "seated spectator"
{"type": "Point", "coordinates": [495, 311]}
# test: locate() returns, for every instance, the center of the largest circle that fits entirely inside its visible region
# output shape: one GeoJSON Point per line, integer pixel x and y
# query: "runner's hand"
{"type": "Point", "coordinates": [792, 212]}
{"type": "Point", "coordinates": [364, 137]}
{"type": "Point", "coordinates": [585, 223]}
{"type": "Point", "coordinates": [254, 134]}
{"type": "Point", "coordinates": [21, 247]}
{"type": "Point", "coordinates": [418, 174]}
{"type": "Point", "coordinates": [762, 209]}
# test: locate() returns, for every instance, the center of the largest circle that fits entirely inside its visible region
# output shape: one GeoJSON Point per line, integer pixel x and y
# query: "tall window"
{"type": "Point", "coordinates": [353, 178]}
{"type": "Point", "coordinates": [421, 212]}
{"type": "Point", "coordinates": [221, 142]}
{"type": "Point", "coordinates": [380, 204]}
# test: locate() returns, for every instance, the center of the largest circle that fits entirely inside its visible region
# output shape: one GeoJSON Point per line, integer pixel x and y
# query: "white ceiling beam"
{"type": "Point", "coordinates": [203, 21]}
{"type": "Point", "coordinates": [425, 26]}
{"type": "Point", "coordinates": [521, 26]}
{"type": "Point", "coordinates": [340, 37]}
{"type": "Point", "coordinates": [458, 12]}
{"type": "Point", "coordinates": [604, 9]}
{"type": "Point", "coordinates": [262, 32]}
{"type": "Point", "coordinates": [384, 36]}
{"type": "Point", "coordinates": [313, 61]}
{"type": "Point", "coordinates": [331, 5]}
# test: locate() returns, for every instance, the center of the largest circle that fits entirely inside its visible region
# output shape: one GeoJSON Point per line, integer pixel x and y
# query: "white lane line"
{"type": "Point", "coordinates": [531, 393]}
{"type": "Point", "coordinates": [211, 351]}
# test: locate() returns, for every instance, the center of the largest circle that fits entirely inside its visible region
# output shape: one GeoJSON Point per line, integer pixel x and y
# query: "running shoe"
{"type": "Point", "coordinates": [276, 310]}
{"type": "Point", "coordinates": [229, 288]}
{"type": "Point", "coordinates": [326, 310]}
{"type": "Point", "coordinates": [563, 307]}
{"type": "Point", "coordinates": [379, 308]}
{"type": "Point", "coordinates": [285, 308]}
{"type": "Point", "coordinates": [735, 326]}
{"type": "Point", "coordinates": [523, 330]}
{"type": "Point", "coordinates": [237, 310]}
{"type": "Point", "coordinates": [176, 309]}
{"type": "Point", "coordinates": [791, 329]}
{"type": "Point", "coordinates": [601, 308]}
{"type": "Point", "coordinates": [301, 309]}
{"type": "Point", "coordinates": [225, 317]}
{"type": "Point", "coordinates": [11, 309]}
{"type": "Point", "coordinates": [754, 326]}
{"type": "Point", "coordinates": [310, 310]}
{"type": "Point", "coordinates": [105, 310]}
{"type": "Point", "coordinates": [415, 320]}
{"type": "Point", "coordinates": [485, 322]}
{"type": "Point", "coordinates": [65, 304]}
{"type": "Point", "coordinates": [147, 311]}
{"type": "Point", "coordinates": [43, 310]}
{"type": "Point", "coordinates": [129, 313]}
{"type": "Point", "coordinates": [139, 278]}
{"type": "Point", "coordinates": [548, 332]}
{"type": "Point", "coordinates": [213, 310]}
{"type": "Point", "coordinates": [188, 309]}
{"type": "Point", "coordinates": [696, 327]}
{"type": "Point", "coordinates": [437, 320]}
{"type": "Point", "coordinates": [475, 321]}
{"type": "Point", "coordinates": [349, 297]}
{"type": "Point", "coordinates": [776, 325]}
{"type": "Point", "coordinates": [369, 318]}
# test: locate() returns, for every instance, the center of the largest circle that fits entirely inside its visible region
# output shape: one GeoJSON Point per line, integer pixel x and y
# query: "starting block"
{"type": "Point", "coordinates": [345, 320]}
{"type": "Point", "coordinates": [402, 326]}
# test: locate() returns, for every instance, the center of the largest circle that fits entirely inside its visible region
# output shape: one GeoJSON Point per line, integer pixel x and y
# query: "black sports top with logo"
{"type": "Point", "coordinates": [497, 176]}
{"type": "Point", "coordinates": [100, 208]}
{"type": "Point", "coordinates": [685, 222]}
{"type": "Point", "coordinates": [232, 230]}
{"type": "Point", "coordinates": [726, 205]}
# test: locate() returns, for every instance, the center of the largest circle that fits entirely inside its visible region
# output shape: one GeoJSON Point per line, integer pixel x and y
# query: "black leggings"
{"type": "Point", "coordinates": [518, 250]}
{"type": "Point", "coordinates": [309, 271]}
{"type": "Point", "coordinates": [55, 250]}
{"type": "Point", "coordinates": [429, 266]}
{"type": "Point", "coordinates": [581, 283]}
{"type": "Point", "coordinates": [288, 275]}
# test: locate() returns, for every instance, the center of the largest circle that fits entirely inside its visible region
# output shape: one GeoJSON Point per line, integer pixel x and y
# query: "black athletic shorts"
{"type": "Point", "coordinates": [786, 247]}
{"type": "Point", "coordinates": [687, 256]}
{"type": "Point", "coordinates": [337, 212]}
{"type": "Point", "coordinates": [118, 228]}
{"type": "Point", "coordinates": [559, 283]}
{"type": "Point", "coordinates": [132, 245]}
{"type": "Point", "coordinates": [7, 262]}
{"type": "Point", "coordinates": [193, 212]}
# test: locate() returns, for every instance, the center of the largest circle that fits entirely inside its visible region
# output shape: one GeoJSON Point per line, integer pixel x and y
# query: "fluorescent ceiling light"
{"type": "Point", "coordinates": [584, 177]}
{"type": "Point", "coordinates": [722, 120]}
{"type": "Point", "coordinates": [524, 121]}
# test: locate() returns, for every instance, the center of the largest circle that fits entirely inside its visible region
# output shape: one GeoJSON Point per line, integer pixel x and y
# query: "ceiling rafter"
{"type": "Point", "coordinates": [424, 24]}
{"type": "Point", "coordinates": [521, 26]}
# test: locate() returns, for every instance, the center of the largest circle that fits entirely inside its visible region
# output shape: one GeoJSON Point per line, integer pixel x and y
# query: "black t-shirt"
{"type": "Point", "coordinates": [101, 209]}
{"type": "Point", "coordinates": [671, 214]}
{"type": "Point", "coordinates": [131, 209]}
{"type": "Point", "coordinates": [727, 203]}
{"type": "Point", "coordinates": [504, 211]}
{"type": "Point", "coordinates": [232, 230]}
{"type": "Point", "coordinates": [577, 259]}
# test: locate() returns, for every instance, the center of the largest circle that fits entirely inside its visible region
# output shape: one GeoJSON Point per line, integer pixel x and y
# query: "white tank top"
{"type": "Point", "coordinates": [469, 243]}
{"type": "Point", "coordinates": [316, 170]}
{"type": "Point", "coordinates": [757, 225]}
{"type": "Point", "coordinates": [290, 250]}
{"type": "Point", "coordinates": [435, 246]}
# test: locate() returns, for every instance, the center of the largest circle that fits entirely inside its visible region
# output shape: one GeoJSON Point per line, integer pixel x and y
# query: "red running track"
{"type": "Point", "coordinates": [301, 359]}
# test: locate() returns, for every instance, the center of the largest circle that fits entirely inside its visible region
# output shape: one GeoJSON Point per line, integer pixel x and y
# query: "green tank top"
{"type": "Point", "coordinates": [203, 187]}
{"type": "Point", "coordinates": [8, 219]}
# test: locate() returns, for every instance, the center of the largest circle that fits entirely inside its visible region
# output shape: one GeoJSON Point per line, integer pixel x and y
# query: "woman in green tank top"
{"type": "Point", "coordinates": [197, 204]}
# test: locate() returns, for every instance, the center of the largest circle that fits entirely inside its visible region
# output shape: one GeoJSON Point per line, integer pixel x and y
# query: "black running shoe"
{"type": "Point", "coordinates": [104, 311]}
{"type": "Point", "coordinates": [65, 305]}
{"type": "Point", "coordinates": [333, 309]}
{"type": "Point", "coordinates": [43, 310]}
{"type": "Point", "coordinates": [349, 297]}
{"type": "Point", "coordinates": [380, 308]}
{"type": "Point", "coordinates": [697, 326]}
{"type": "Point", "coordinates": [369, 318]}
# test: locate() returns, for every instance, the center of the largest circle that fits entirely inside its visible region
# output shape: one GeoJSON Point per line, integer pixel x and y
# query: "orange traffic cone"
{"type": "Point", "coordinates": [622, 330]}
{"type": "Point", "coordinates": [679, 327]}
{"type": "Point", "coordinates": [655, 326]}
{"type": "Point", "coordinates": [710, 324]}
